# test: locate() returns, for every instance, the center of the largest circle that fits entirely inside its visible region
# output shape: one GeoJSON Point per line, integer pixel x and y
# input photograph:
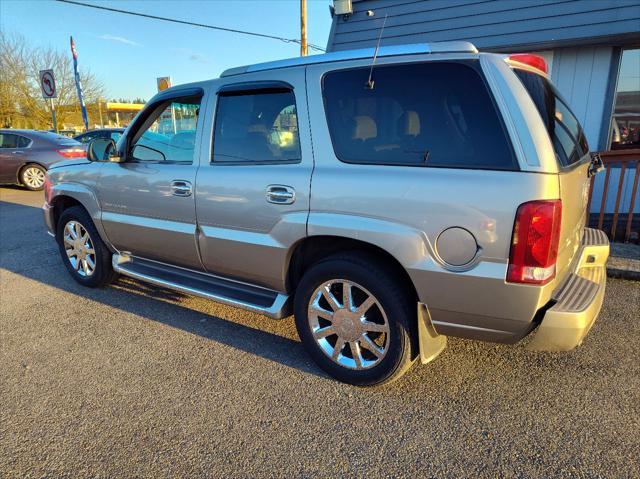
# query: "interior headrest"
{"type": "Point", "coordinates": [364, 128]}
{"type": "Point", "coordinates": [409, 123]}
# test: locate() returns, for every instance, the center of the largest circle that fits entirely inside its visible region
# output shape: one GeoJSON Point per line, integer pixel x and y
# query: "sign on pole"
{"type": "Point", "coordinates": [48, 84]}
{"type": "Point", "coordinates": [164, 83]}
{"type": "Point", "coordinates": [49, 91]}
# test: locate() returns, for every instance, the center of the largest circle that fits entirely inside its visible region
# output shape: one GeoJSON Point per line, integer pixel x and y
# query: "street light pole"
{"type": "Point", "coordinates": [303, 28]}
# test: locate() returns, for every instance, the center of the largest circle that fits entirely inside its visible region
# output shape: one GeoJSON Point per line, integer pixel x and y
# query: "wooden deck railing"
{"type": "Point", "coordinates": [628, 163]}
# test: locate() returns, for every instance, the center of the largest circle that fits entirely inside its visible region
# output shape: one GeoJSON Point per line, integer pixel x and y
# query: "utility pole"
{"type": "Point", "coordinates": [303, 28]}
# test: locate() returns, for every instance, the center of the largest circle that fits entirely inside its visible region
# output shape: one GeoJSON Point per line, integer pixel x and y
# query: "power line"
{"type": "Point", "coordinates": [193, 24]}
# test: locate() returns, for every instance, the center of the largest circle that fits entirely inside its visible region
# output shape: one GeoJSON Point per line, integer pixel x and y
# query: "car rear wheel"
{"type": "Point", "coordinates": [355, 319]}
{"type": "Point", "coordinates": [32, 177]}
{"type": "Point", "coordinates": [86, 257]}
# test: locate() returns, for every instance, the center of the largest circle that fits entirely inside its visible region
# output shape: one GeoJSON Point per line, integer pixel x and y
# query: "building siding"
{"type": "Point", "coordinates": [489, 24]}
{"type": "Point", "coordinates": [582, 76]}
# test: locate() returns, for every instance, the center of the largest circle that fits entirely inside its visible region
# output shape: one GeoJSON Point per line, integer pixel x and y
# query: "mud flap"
{"type": "Point", "coordinates": [431, 343]}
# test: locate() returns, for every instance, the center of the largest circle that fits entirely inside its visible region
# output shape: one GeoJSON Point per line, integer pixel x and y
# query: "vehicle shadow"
{"type": "Point", "coordinates": [22, 254]}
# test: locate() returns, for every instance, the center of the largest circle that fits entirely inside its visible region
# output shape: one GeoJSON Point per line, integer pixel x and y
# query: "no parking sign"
{"type": "Point", "coordinates": [48, 84]}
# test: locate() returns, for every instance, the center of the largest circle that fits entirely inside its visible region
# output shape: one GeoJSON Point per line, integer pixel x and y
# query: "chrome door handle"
{"type": "Point", "coordinates": [18, 152]}
{"type": "Point", "coordinates": [181, 188]}
{"type": "Point", "coordinates": [281, 194]}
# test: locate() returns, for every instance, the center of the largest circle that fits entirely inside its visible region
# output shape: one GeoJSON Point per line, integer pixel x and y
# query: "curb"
{"type": "Point", "coordinates": [629, 274]}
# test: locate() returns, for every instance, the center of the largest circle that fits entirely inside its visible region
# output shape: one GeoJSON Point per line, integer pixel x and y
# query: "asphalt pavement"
{"type": "Point", "coordinates": [136, 381]}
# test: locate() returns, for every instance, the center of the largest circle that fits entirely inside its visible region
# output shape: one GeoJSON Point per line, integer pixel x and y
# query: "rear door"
{"type": "Point", "coordinates": [252, 194]}
{"type": "Point", "coordinates": [148, 206]}
{"type": "Point", "coordinates": [572, 154]}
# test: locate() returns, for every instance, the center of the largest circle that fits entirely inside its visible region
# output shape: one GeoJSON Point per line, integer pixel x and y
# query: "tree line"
{"type": "Point", "coordinates": [21, 102]}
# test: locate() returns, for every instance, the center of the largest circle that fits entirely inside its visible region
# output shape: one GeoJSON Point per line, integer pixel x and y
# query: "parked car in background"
{"type": "Point", "coordinates": [25, 155]}
{"type": "Point", "coordinates": [113, 133]}
{"type": "Point", "coordinates": [442, 193]}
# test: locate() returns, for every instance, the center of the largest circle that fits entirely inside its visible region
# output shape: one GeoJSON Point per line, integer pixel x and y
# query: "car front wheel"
{"type": "Point", "coordinates": [86, 257]}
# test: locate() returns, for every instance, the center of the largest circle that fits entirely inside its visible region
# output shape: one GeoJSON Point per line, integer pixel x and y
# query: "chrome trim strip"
{"type": "Point", "coordinates": [276, 311]}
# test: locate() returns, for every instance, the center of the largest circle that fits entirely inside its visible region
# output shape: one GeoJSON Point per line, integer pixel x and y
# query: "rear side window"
{"type": "Point", "coordinates": [87, 137]}
{"type": "Point", "coordinates": [256, 126]}
{"type": "Point", "coordinates": [8, 140]}
{"type": "Point", "coordinates": [569, 141]}
{"type": "Point", "coordinates": [424, 114]}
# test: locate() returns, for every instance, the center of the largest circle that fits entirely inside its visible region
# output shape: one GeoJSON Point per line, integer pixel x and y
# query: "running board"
{"type": "Point", "coordinates": [225, 291]}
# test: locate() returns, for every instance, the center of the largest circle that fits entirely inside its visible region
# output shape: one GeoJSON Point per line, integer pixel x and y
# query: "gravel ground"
{"type": "Point", "coordinates": [134, 381]}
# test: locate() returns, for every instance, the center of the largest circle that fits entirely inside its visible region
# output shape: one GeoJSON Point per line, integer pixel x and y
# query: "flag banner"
{"type": "Point", "coordinates": [85, 119]}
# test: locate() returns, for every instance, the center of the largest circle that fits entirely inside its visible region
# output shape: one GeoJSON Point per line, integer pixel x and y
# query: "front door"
{"type": "Point", "coordinates": [148, 204]}
{"type": "Point", "coordinates": [12, 156]}
{"type": "Point", "coordinates": [253, 190]}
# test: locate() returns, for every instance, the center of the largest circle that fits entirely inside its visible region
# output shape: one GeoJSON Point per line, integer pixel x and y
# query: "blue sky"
{"type": "Point", "coordinates": [128, 53]}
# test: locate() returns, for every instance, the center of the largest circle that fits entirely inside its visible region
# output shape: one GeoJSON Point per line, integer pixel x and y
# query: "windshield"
{"type": "Point", "coordinates": [564, 129]}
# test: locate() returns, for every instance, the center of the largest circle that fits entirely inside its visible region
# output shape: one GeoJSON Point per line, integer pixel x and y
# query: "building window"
{"type": "Point", "coordinates": [625, 124]}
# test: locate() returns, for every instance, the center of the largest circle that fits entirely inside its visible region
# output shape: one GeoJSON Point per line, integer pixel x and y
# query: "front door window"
{"type": "Point", "coordinates": [169, 134]}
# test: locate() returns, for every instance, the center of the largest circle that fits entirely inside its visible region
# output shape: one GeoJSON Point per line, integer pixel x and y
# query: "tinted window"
{"type": "Point", "coordinates": [565, 131]}
{"type": "Point", "coordinates": [169, 134]}
{"type": "Point", "coordinates": [425, 114]}
{"type": "Point", "coordinates": [23, 141]}
{"type": "Point", "coordinates": [9, 140]}
{"type": "Point", "coordinates": [257, 126]}
{"type": "Point", "coordinates": [87, 137]}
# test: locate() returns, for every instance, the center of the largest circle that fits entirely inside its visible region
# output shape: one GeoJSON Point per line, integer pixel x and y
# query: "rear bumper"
{"type": "Point", "coordinates": [47, 211]}
{"type": "Point", "coordinates": [577, 301]}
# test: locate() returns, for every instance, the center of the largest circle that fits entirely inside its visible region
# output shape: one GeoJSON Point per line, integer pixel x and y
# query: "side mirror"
{"type": "Point", "coordinates": [103, 149]}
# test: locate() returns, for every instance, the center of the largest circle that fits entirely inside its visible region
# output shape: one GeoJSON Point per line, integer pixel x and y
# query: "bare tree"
{"type": "Point", "coordinates": [21, 103]}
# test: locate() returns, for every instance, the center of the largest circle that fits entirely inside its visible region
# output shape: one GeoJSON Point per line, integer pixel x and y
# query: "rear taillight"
{"type": "Point", "coordinates": [534, 244]}
{"type": "Point", "coordinates": [72, 152]}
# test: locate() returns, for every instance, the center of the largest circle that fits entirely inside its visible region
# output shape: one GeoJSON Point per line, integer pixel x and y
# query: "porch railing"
{"type": "Point", "coordinates": [616, 217]}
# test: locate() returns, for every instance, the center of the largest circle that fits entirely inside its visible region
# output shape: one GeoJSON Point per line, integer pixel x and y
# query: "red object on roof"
{"type": "Point", "coordinates": [535, 61]}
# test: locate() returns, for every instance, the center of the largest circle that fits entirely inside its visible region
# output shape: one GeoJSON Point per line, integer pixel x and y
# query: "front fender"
{"type": "Point", "coordinates": [84, 195]}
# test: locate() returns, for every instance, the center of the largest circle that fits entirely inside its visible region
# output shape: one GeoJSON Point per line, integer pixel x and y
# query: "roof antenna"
{"type": "Point", "coordinates": [370, 83]}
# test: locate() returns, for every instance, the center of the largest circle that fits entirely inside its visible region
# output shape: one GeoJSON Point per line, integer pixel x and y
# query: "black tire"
{"type": "Point", "coordinates": [390, 291]}
{"type": "Point", "coordinates": [26, 176]}
{"type": "Point", "coordinates": [103, 272]}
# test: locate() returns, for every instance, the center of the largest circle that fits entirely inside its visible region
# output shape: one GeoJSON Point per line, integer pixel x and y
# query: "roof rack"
{"type": "Point", "coordinates": [385, 51]}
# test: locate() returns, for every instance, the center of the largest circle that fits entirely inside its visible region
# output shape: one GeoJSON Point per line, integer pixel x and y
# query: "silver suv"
{"type": "Point", "coordinates": [387, 203]}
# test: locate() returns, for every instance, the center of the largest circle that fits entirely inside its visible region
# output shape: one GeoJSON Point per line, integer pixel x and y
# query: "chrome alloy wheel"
{"type": "Point", "coordinates": [33, 177]}
{"type": "Point", "coordinates": [79, 249]}
{"type": "Point", "coordinates": [352, 331]}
